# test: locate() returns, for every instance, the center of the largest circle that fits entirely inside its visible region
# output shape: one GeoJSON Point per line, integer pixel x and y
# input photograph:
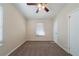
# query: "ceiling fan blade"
{"type": "Point", "coordinates": [37, 10]}
{"type": "Point", "coordinates": [31, 3]}
{"type": "Point", "coordinates": [46, 9]}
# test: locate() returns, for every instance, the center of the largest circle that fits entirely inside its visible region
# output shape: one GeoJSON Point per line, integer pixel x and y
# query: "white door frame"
{"type": "Point", "coordinates": [69, 16]}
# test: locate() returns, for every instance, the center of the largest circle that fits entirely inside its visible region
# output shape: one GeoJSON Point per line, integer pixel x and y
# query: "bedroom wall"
{"type": "Point", "coordinates": [14, 29]}
{"type": "Point", "coordinates": [47, 26]}
{"type": "Point", "coordinates": [63, 24]}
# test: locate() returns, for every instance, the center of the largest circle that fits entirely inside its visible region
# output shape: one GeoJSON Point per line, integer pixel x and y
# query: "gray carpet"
{"type": "Point", "coordinates": [32, 48]}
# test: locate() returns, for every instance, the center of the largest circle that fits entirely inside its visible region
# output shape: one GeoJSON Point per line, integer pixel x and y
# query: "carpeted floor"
{"type": "Point", "coordinates": [32, 48]}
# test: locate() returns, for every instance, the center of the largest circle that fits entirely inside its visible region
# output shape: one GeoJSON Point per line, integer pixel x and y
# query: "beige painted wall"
{"type": "Point", "coordinates": [62, 19]}
{"type": "Point", "coordinates": [14, 29]}
{"type": "Point", "coordinates": [48, 29]}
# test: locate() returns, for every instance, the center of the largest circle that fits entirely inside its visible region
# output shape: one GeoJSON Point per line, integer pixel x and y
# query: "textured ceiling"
{"type": "Point", "coordinates": [30, 11]}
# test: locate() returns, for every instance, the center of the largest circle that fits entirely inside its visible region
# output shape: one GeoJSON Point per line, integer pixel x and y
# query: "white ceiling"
{"type": "Point", "coordinates": [30, 11]}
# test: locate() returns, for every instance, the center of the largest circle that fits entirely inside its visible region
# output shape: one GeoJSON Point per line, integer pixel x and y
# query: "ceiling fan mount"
{"type": "Point", "coordinates": [39, 6]}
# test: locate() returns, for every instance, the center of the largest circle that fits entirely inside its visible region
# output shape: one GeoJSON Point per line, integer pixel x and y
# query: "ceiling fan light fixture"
{"type": "Point", "coordinates": [39, 5]}
{"type": "Point", "coordinates": [39, 8]}
{"type": "Point", "coordinates": [43, 7]}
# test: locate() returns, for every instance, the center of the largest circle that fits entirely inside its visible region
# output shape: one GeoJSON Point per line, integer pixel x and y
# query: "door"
{"type": "Point", "coordinates": [74, 32]}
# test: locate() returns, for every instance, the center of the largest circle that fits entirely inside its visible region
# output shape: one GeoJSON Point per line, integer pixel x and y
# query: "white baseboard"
{"type": "Point", "coordinates": [15, 48]}
{"type": "Point", "coordinates": [40, 40]}
{"type": "Point", "coordinates": [62, 47]}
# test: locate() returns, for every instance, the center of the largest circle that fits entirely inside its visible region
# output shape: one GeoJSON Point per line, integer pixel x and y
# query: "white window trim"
{"type": "Point", "coordinates": [40, 29]}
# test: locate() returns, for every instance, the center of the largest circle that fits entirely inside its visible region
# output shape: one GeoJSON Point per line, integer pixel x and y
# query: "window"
{"type": "Point", "coordinates": [1, 26]}
{"type": "Point", "coordinates": [40, 29]}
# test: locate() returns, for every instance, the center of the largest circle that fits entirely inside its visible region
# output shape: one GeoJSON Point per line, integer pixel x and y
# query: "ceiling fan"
{"type": "Point", "coordinates": [39, 6]}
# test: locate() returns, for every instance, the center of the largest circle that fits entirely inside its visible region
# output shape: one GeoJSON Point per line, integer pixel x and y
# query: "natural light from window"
{"type": "Point", "coordinates": [40, 29]}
